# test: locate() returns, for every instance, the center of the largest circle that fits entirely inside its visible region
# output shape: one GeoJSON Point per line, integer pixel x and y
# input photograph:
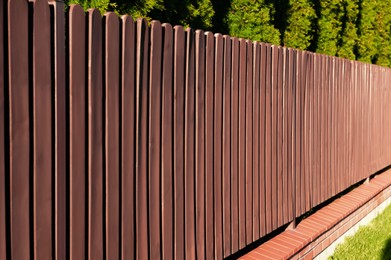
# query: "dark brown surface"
{"type": "Point", "coordinates": [42, 114]}
{"type": "Point", "coordinates": [218, 133]}
{"type": "Point", "coordinates": [95, 137]}
{"type": "Point", "coordinates": [262, 139]}
{"type": "Point", "coordinates": [60, 142]}
{"type": "Point", "coordinates": [256, 139]}
{"type": "Point", "coordinates": [200, 143]}
{"type": "Point", "coordinates": [167, 145]}
{"type": "Point", "coordinates": [249, 144]}
{"type": "Point", "coordinates": [190, 146]}
{"type": "Point", "coordinates": [77, 133]}
{"type": "Point", "coordinates": [20, 127]}
{"type": "Point", "coordinates": [242, 141]}
{"type": "Point", "coordinates": [267, 178]}
{"type": "Point", "coordinates": [142, 139]}
{"type": "Point", "coordinates": [226, 169]}
{"type": "Point", "coordinates": [235, 146]}
{"type": "Point", "coordinates": [3, 149]}
{"type": "Point", "coordinates": [112, 141]}
{"type": "Point", "coordinates": [155, 68]}
{"type": "Point", "coordinates": [179, 144]}
{"type": "Point", "coordinates": [128, 130]}
{"type": "Point", "coordinates": [209, 120]}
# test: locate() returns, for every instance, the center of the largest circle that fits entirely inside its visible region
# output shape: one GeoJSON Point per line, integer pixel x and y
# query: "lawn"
{"type": "Point", "coordinates": [370, 242]}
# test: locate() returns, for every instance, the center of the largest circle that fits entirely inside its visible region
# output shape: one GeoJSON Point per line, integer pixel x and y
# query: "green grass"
{"type": "Point", "coordinates": [370, 242]}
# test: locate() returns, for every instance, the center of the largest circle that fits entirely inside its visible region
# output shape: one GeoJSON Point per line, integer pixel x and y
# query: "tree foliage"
{"type": "Point", "coordinates": [329, 26]}
{"type": "Point", "coordinates": [349, 37]}
{"type": "Point", "coordinates": [254, 20]}
{"type": "Point", "coordinates": [353, 29]}
{"type": "Point", "coordinates": [300, 29]}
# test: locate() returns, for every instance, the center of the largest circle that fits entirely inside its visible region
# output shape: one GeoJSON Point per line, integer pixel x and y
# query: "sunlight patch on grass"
{"type": "Point", "coordinates": [370, 242]}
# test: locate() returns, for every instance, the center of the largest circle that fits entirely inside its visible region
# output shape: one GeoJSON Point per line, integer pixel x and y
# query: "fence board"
{"type": "Point", "coordinates": [128, 130]}
{"type": "Point", "coordinates": [189, 146]}
{"type": "Point", "coordinates": [142, 139]}
{"type": "Point", "coordinates": [218, 126]}
{"type": "Point", "coordinates": [20, 127]}
{"type": "Point", "coordinates": [235, 146]}
{"type": "Point", "coordinates": [264, 77]}
{"type": "Point", "coordinates": [209, 141]}
{"type": "Point", "coordinates": [279, 138]}
{"type": "Point", "coordinates": [155, 70]}
{"type": "Point", "coordinates": [179, 128]}
{"type": "Point", "coordinates": [167, 145]}
{"type": "Point", "coordinates": [42, 131]}
{"type": "Point", "coordinates": [200, 143]}
{"type": "Point", "coordinates": [256, 139]}
{"type": "Point", "coordinates": [112, 108]}
{"type": "Point", "coordinates": [242, 141]}
{"type": "Point", "coordinates": [95, 136]}
{"type": "Point", "coordinates": [227, 147]}
{"type": "Point", "coordinates": [289, 86]}
{"type": "Point", "coordinates": [249, 144]}
{"type": "Point", "coordinates": [3, 148]}
{"type": "Point", "coordinates": [274, 137]}
{"type": "Point", "coordinates": [60, 129]}
{"type": "Point", "coordinates": [77, 130]}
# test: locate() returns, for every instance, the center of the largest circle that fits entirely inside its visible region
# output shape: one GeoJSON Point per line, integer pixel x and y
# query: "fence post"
{"type": "Point", "coordinates": [60, 126]}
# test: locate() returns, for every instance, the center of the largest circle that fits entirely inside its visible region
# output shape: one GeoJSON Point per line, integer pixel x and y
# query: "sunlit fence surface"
{"type": "Point", "coordinates": [123, 139]}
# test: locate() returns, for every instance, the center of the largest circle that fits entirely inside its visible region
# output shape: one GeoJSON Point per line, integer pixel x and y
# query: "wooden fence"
{"type": "Point", "coordinates": [120, 139]}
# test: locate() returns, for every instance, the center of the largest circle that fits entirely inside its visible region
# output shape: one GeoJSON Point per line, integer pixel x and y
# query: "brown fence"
{"type": "Point", "coordinates": [124, 140]}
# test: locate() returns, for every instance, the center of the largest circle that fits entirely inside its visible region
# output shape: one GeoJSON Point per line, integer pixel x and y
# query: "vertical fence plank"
{"type": "Point", "coordinates": [273, 136]}
{"type": "Point", "coordinates": [20, 127]}
{"type": "Point", "coordinates": [112, 147]}
{"type": "Point", "coordinates": [289, 85]}
{"type": "Point", "coordinates": [227, 147]}
{"type": "Point", "coordinates": [200, 143]}
{"type": "Point", "coordinates": [3, 149]}
{"type": "Point", "coordinates": [235, 146]}
{"type": "Point", "coordinates": [42, 131]}
{"type": "Point", "coordinates": [142, 139]}
{"type": "Point", "coordinates": [155, 70]}
{"type": "Point", "coordinates": [167, 145]}
{"type": "Point", "coordinates": [189, 145]}
{"type": "Point", "coordinates": [256, 137]}
{"type": "Point", "coordinates": [209, 141]}
{"type": "Point", "coordinates": [60, 130]}
{"type": "Point", "coordinates": [242, 141]}
{"type": "Point", "coordinates": [263, 188]}
{"type": "Point", "coordinates": [95, 136]}
{"type": "Point", "coordinates": [298, 122]}
{"type": "Point", "coordinates": [249, 144]}
{"type": "Point", "coordinates": [279, 136]}
{"type": "Point", "coordinates": [77, 130]}
{"type": "Point", "coordinates": [268, 140]}
{"type": "Point", "coordinates": [284, 145]}
{"type": "Point", "coordinates": [179, 128]}
{"type": "Point", "coordinates": [128, 130]}
{"type": "Point", "coordinates": [218, 126]}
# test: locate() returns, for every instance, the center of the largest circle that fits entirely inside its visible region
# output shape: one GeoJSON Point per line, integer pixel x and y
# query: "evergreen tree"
{"type": "Point", "coordinates": [329, 26]}
{"type": "Point", "coordinates": [366, 48]}
{"type": "Point", "coordinates": [253, 19]}
{"type": "Point", "coordinates": [349, 37]}
{"type": "Point", "coordinates": [102, 5]}
{"type": "Point", "coordinates": [383, 39]}
{"type": "Point", "coordinates": [300, 29]}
